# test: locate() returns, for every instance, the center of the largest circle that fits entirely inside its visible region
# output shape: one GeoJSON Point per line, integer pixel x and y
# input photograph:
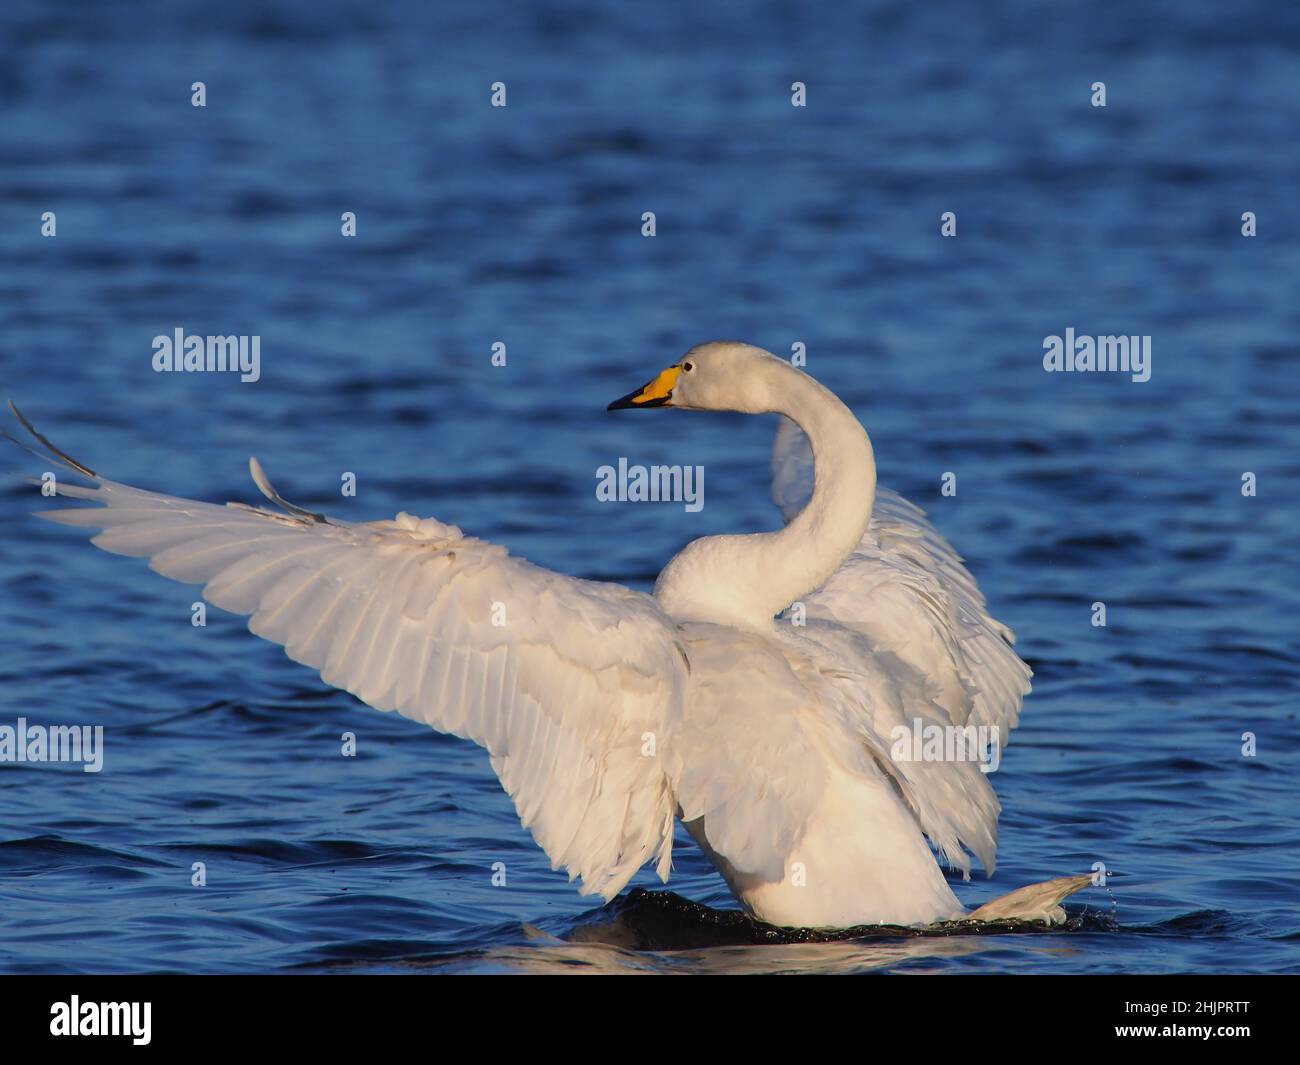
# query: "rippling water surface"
{"type": "Point", "coordinates": [775, 224]}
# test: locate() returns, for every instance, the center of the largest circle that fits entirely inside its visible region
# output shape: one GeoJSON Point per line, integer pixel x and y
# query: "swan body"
{"type": "Point", "coordinates": [753, 696]}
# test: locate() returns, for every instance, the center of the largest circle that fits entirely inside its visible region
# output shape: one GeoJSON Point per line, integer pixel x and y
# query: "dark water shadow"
{"type": "Point", "coordinates": [664, 921]}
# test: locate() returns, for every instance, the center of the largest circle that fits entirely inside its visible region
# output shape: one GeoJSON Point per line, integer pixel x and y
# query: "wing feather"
{"type": "Point", "coordinates": [927, 626]}
{"type": "Point", "coordinates": [906, 588]}
{"type": "Point", "coordinates": [401, 614]}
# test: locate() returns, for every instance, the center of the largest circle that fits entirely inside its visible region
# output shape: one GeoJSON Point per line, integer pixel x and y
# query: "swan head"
{"type": "Point", "coordinates": [719, 375]}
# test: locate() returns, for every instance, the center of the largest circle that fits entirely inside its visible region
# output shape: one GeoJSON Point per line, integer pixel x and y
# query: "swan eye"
{"type": "Point", "coordinates": [688, 366]}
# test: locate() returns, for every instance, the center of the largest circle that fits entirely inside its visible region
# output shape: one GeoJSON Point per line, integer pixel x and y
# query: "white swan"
{"type": "Point", "coordinates": [608, 713]}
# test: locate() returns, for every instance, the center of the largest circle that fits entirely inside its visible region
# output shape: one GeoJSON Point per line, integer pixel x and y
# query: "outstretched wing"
{"type": "Point", "coordinates": [560, 679]}
{"type": "Point", "coordinates": [907, 590]}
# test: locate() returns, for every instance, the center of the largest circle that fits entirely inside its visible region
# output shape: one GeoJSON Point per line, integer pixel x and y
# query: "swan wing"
{"type": "Point", "coordinates": [907, 590]}
{"type": "Point", "coordinates": [774, 725]}
{"type": "Point", "coordinates": [560, 679]}
{"type": "Point", "coordinates": [744, 760]}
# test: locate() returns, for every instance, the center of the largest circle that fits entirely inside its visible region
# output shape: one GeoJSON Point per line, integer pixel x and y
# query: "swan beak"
{"type": "Point", "coordinates": [656, 394]}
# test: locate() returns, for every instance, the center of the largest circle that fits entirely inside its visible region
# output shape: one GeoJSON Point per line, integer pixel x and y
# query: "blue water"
{"type": "Point", "coordinates": [777, 225]}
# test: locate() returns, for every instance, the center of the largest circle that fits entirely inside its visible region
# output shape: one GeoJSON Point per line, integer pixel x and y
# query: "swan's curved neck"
{"type": "Point", "coordinates": [801, 557]}
{"type": "Point", "coordinates": [747, 580]}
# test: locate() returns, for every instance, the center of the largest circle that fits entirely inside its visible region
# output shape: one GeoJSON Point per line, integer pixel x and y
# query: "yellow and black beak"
{"type": "Point", "coordinates": [656, 394]}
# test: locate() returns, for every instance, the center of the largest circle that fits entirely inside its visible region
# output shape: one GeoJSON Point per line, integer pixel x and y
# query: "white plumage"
{"type": "Point", "coordinates": [607, 712]}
